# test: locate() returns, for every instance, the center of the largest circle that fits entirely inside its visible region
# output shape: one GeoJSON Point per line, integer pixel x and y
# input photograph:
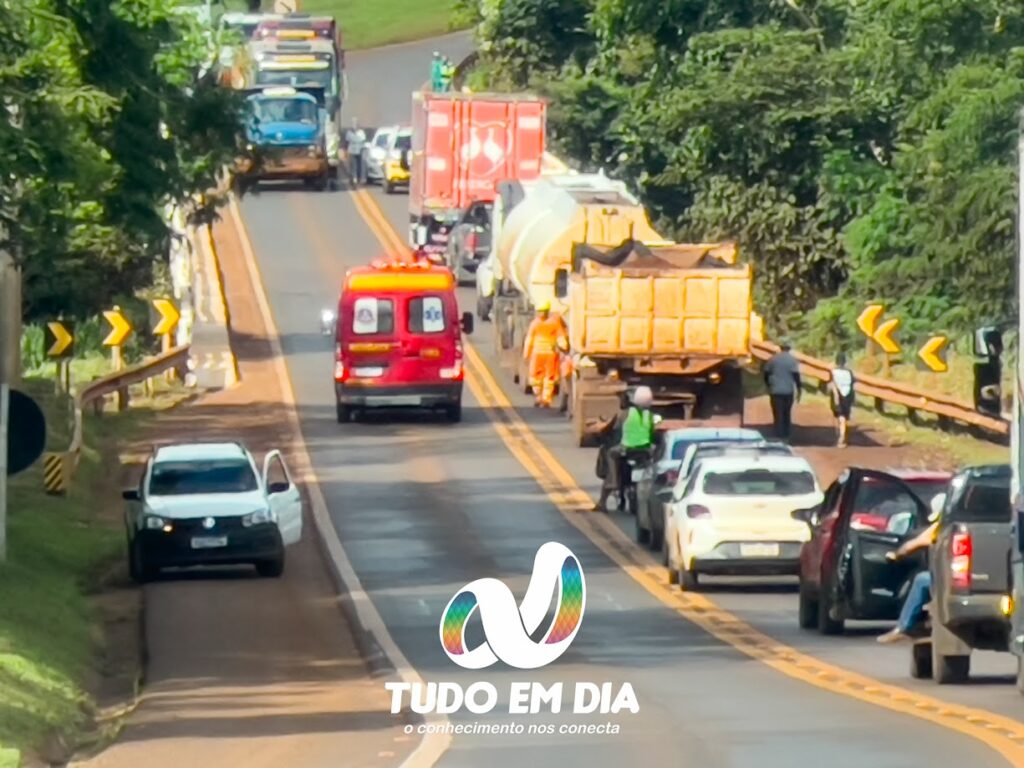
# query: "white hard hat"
{"type": "Point", "coordinates": [643, 397]}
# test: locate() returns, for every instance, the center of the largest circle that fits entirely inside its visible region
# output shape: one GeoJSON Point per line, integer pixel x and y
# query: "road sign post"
{"type": "Point", "coordinates": [169, 317]}
{"type": "Point", "coordinates": [60, 345]}
{"type": "Point", "coordinates": [120, 328]}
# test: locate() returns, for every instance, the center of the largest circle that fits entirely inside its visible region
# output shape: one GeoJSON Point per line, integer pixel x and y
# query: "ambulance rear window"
{"type": "Point", "coordinates": [371, 315]}
{"type": "Point", "coordinates": [426, 314]}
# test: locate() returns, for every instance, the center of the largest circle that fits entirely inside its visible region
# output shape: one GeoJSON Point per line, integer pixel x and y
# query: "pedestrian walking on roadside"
{"type": "Point", "coordinates": [355, 140]}
{"type": "Point", "coordinates": [841, 392]}
{"type": "Point", "coordinates": [782, 378]}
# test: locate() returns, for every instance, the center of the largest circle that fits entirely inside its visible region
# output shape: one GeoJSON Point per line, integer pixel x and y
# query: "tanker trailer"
{"type": "Point", "coordinates": [536, 239]}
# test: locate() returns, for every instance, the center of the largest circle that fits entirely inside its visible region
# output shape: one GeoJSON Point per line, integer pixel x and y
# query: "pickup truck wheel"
{"type": "Point", "coordinates": [949, 669]}
{"type": "Point", "coordinates": [139, 570]}
{"type": "Point", "coordinates": [808, 613]}
{"type": "Point", "coordinates": [688, 580]}
{"type": "Point", "coordinates": [826, 624]}
{"type": "Point", "coordinates": [921, 661]}
{"type": "Point", "coordinates": [271, 569]}
{"type": "Point", "coordinates": [453, 413]}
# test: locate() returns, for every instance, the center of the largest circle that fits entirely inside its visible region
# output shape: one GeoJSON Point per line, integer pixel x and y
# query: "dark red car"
{"type": "Point", "coordinates": [844, 573]}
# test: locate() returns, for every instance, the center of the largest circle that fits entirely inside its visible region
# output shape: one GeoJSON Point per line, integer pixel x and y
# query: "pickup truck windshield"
{"type": "Point", "coordinates": [181, 478]}
{"type": "Point", "coordinates": [983, 501]}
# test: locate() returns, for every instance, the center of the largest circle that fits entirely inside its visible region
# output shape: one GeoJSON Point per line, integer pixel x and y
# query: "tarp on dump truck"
{"type": "Point", "coordinates": [671, 301]}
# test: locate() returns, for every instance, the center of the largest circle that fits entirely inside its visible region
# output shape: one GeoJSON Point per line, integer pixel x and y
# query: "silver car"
{"type": "Point", "coordinates": [376, 152]}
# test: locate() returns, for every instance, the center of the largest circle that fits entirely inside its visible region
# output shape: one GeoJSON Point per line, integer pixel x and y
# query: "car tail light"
{"type": "Point", "coordinates": [471, 242]}
{"type": "Point", "coordinates": [340, 374]}
{"type": "Point", "coordinates": [696, 511]}
{"type": "Point", "coordinates": [961, 551]}
{"type": "Point", "coordinates": [454, 372]}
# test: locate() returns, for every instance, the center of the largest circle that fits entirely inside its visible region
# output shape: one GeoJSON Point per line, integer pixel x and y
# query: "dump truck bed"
{"type": "Point", "coordinates": [672, 301]}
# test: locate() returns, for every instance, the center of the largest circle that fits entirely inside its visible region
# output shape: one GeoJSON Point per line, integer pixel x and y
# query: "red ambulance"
{"type": "Point", "coordinates": [398, 339]}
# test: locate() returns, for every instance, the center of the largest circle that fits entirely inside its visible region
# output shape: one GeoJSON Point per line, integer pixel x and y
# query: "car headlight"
{"type": "Point", "coordinates": [154, 523]}
{"type": "Point", "coordinates": [259, 517]}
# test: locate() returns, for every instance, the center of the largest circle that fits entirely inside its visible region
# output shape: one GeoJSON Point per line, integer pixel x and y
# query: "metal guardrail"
{"type": "Point", "coordinates": [883, 391]}
{"type": "Point", "coordinates": [176, 358]}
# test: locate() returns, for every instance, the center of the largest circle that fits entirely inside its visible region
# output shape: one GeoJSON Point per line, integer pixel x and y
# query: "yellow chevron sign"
{"type": "Point", "coordinates": [169, 316]}
{"type": "Point", "coordinates": [933, 354]}
{"type": "Point", "coordinates": [62, 340]}
{"type": "Point", "coordinates": [883, 336]}
{"type": "Point", "coordinates": [119, 328]}
{"type": "Point", "coordinates": [868, 319]}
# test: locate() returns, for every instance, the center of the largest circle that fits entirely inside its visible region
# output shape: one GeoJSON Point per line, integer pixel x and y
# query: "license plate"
{"type": "Point", "coordinates": [368, 372]}
{"type": "Point", "coordinates": [759, 550]}
{"type": "Point", "coordinates": [209, 542]}
{"type": "Point", "coordinates": [403, 400]}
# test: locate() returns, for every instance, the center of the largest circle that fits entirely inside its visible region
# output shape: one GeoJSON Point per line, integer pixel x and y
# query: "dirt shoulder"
{"type": "Point", "coordinates": [243, 670]}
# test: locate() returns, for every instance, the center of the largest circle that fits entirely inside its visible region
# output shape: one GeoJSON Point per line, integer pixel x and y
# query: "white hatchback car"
{"type": "Point", "coordinates": [732, 517]}
{"type": "Point", "coordinates": [375, 153]}
{"type": "Point", "coordinates": [206, 504]}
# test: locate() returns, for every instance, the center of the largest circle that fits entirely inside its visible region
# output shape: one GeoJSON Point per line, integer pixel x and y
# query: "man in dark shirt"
{"type": "Point", "coordinates": [782, 377]}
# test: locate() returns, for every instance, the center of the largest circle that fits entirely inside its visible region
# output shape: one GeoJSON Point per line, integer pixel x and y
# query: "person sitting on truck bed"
{"type": "Point", "coordinates": [541, 351]}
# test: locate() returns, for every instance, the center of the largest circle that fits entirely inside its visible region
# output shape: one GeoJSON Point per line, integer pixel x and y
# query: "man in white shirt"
{"type": "Point", "coordinates": [842, 394]}
{"type": "Point", "coordinates": [355, 140]}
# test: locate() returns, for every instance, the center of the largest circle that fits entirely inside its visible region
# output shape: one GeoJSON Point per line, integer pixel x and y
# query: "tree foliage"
{"type": "Point", "coordinates": [110, 114]}
{"type": "Point", "coordinates": [857, 151]}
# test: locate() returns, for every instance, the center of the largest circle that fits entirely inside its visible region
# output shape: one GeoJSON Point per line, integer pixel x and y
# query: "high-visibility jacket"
{"type": "Point", "coordinates": [638, 429]}
{"type": "Point", "coordinates": [543, 336]}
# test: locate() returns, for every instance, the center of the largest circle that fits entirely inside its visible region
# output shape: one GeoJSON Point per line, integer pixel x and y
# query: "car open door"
{"type": "Point", "coordinates": [882, 513]}
{"type": "Point", "coordinates": [283, 496]}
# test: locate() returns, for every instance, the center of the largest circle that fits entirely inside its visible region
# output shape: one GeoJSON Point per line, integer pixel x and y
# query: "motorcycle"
{"type": "Point", "coordinates": [634, 464]}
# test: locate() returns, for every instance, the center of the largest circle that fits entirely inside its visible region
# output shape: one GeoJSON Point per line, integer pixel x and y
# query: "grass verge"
{"type": "Point", "coordinates": [366, 25]}
{"type": "Point", "coordinates": [59, 548]}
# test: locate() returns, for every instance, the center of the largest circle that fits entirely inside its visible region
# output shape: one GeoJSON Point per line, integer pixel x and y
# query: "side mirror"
{"type": "Point", "coordinates": [808, 516]}
{"type": "Point", "coordinates": [278, 487]}
{"type": "Point", "coordinates": [467, 323]}
{"type": "Point", "coordinates": [936, 507]}
{"type": "Point", "coordinates": [328, 322]}
{"type": "Point", "coordinates": [561, 283]}
{"type": "Point", "coordinates": [131, 494]}
{"type": "Point", "coordinates": [987, 342]}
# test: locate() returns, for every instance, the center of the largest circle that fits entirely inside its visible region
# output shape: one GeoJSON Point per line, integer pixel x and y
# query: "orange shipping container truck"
{"type": "Point", "coordinates": [463, 145]}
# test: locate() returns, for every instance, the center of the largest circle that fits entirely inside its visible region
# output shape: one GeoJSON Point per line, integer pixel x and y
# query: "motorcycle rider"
{"type": "Point", "coordinates": [637, 435]}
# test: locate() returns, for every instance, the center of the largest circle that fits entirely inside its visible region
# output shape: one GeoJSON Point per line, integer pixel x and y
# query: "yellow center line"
{"type": "Point", "coordinates": [1004, 735]}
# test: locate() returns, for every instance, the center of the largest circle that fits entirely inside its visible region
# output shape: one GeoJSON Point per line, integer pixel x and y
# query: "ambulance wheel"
{"type": "Point", "coordinates": [343, 412]}
{"type": "Point", "coordinates": [453, 412]}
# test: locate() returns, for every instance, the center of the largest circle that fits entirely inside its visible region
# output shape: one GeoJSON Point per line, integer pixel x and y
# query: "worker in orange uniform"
{"type": "Point", "coordinates": [541, 351]}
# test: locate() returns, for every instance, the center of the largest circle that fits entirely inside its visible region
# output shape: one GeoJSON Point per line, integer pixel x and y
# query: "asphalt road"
{"type": "Point", "coordinates": [422, 508]}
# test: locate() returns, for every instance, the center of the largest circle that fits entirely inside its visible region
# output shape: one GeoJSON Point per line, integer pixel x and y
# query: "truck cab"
{"type": "Point", "coordinates": [398, 339]}
{"type": "Point", "coordinates": [286, 137]}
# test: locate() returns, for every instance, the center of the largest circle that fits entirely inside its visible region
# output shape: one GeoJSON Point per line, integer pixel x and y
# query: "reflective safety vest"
{"type": "Point", "coordinates": [638, 431]}
{"type": "Point", "coordinates": [543, 336]}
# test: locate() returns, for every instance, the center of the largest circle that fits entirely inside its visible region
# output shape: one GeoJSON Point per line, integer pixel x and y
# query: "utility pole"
{"type": "Point", "coordinates": [10, 370]}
